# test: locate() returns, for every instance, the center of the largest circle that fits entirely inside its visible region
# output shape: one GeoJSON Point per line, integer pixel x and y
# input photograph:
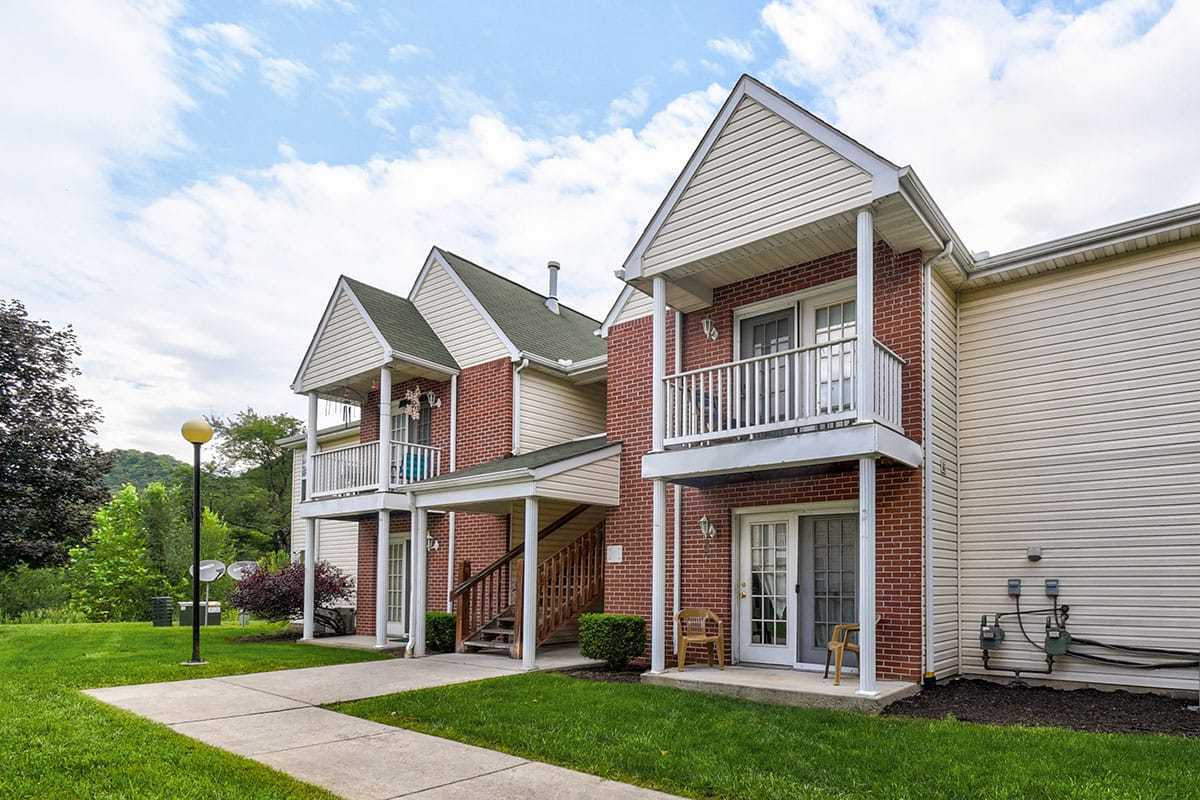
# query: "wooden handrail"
{"type": "Point", "coordinates": [569, 580]}
{"type": "Point", "coordinates": [508, 557]}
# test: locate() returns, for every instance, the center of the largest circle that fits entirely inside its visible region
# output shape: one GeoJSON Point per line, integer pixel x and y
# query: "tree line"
{"type": "Point", "coordinates": [73, 546]}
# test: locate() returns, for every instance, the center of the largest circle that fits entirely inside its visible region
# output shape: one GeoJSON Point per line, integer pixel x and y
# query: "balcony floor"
{"type": "Point", "coordinates": [782, 686]}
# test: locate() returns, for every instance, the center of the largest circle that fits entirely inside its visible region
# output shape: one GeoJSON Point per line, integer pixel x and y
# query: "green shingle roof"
{"type": "Point", "coordinates": [522, 314]}
{"type": "Point", "coordinates": [405, 330]}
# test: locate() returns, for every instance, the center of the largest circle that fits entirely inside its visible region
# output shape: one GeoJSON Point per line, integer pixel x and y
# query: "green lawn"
{"type": "Point", "coordinates": [707, 746]}
{"type": "Point", "coordinates": [57, 743]}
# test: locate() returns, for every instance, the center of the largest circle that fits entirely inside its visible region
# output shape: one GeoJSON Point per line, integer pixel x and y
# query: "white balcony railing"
{"type": "Point", "coordinates": [798, 388]}
{"type": "Point", "coordinates": [354, 469]}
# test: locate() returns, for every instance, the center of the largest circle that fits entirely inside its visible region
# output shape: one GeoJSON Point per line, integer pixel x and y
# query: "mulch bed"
{"type": "Point", "coordinates": [627, 675]}
{"type": "Point", "coordinates": [1017, 703]}
{"type": "Point", "coordinates": [285, 635]}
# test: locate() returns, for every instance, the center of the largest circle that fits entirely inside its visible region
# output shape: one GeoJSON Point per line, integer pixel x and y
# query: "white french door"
{"type": "Point", "coordinates": [766, 595]}
{"type": "Point", "coordinates": [399, 563]}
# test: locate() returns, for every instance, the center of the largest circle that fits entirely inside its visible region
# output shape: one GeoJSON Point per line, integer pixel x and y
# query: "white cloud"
{"type": "Point", "coordinates": [732, 48]}
{"type": "Point", "coordinates": [283, 75]}
{"type": "Point", "coordinates": [629, 107]}
{"type": "Point", "coordinates": [403, 52]}
{"type": "Point", "coordinates": [1024, 127]}
{"type": "Point", "coordinates": [388, 102]}
{"type": "Point", "coordinates": [341, 52]}
{"type": "Point", "coordinates": [285, 150]}
{"type": "Point", "coordinates": [218, 52]}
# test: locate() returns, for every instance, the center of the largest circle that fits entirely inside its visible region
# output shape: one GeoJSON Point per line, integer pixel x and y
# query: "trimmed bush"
{"type": "Point", "coordinates": [614, 638]}
{"type": "Point", "coordinates": [439, 631]}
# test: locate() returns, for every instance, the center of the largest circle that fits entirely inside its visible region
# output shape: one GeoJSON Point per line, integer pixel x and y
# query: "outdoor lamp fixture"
{"type": "Point", "coordinates": [432, 544]}
{"type": "Point", "coordinates": [707, 529]}
{"type": "Point", "coordinates": [432, 400]}
{"type": "Point", "coordinates": [196, 431]}
{"type": "Point", "coordinates": [710, 328]}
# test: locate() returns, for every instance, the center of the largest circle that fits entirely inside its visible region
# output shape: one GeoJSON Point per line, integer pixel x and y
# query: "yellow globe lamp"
{"type": "Point", "coordinates": [197, 431]}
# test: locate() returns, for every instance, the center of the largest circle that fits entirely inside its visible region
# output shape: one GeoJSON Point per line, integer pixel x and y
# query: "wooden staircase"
{"type": "Point", "coordinates": [488, 604]}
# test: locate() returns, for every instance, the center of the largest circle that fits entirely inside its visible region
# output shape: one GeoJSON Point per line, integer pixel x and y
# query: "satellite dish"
{"type": "Point", "coordinates": [240, 570]}
{"type": "Point", "coordinates": [210, 570]}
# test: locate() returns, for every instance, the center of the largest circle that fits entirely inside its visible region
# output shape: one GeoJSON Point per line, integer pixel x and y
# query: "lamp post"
{"type": "Point", "coordinates": [196, 431]}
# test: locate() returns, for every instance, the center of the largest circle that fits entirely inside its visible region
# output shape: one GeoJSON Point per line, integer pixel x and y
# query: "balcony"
{"type": "Point", "coordinates": [355, 469]}
{"type": "Point", "coordinates": [788, 409]}
{"type": "Point", "coordinates": [803, 388]}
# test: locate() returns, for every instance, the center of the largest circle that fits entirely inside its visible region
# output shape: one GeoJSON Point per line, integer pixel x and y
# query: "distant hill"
{"type": "Point", "coordinates": [141, 468]}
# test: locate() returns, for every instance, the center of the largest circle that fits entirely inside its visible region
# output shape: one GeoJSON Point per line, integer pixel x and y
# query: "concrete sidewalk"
{"type": "Point", "coordinates": [272, 718]}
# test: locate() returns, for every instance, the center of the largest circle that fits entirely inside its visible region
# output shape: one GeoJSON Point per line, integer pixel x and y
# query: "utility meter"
{"type": "Point", "coordinates": [990, 636]}
{"type": "Point", "coordinates": [1058, 639]}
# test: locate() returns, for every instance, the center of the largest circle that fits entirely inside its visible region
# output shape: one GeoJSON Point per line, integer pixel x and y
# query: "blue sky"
{"type": "Point", "coordinates": [183, 183]}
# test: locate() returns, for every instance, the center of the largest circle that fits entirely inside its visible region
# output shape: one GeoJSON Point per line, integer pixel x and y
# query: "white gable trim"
{"type": "Point", "coordinates": [341, 287]}
{"type": "Point", "coordinates": [884, 174]}
{"type": "Point", "coordinates": [623, 298]}
{"type": "Point", "coordinates": [435, 256]}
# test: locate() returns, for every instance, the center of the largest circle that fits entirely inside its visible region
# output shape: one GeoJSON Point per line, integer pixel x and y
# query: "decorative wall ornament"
{"type": "Point", "coordinates": [412, 402]}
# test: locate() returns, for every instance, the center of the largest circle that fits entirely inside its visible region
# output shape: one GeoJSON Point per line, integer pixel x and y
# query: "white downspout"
{"type": "Point", "coordinates": [677, 516]}
{"type": "Point", "coordinates": [453, 466]}
{"type": "Point", "coordinates": [516, 402]}
{"type": "Point", "coordinates": [927, 475]}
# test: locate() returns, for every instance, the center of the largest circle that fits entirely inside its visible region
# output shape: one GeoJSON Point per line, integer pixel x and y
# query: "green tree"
{"type": "Point", "coordinates": [51, 477]}
{"type": "Point", "coordinates": [258, 506]}
{"type": "Point", "coordinates": [112, 579]}
{"type": "Point", "coordinates": [141, 468]}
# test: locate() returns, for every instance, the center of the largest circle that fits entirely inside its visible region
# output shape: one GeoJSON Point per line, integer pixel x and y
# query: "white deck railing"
{"type": "Point", "coordinates": [354, 469]}
{"type": "Point", "coordinates": [797, 388]}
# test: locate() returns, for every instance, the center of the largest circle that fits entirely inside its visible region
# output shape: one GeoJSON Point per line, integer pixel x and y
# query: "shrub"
{"type": "Point", "coordinates": [28, 595]}
{"type": "Point", "coordinates": [613, 638]}
{"type": "Point", "coordinates": [439, 631]}
{"type": "Point", "coordinates": [279, 595]}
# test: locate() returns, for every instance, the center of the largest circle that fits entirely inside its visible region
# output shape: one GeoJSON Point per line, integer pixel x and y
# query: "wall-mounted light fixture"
{"type": "Point", "coordinates": [433, 400]}
{"type": "Point", "coordinates": [707, 529]}
{"type": "Point", "coordinates": [432, 544]}
{"type": "Point", "coordinates": [710, 328]}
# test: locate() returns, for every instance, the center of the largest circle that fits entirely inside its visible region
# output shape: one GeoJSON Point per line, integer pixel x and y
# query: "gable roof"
{"type": "Point", "coordinates": [598, 444]}
{"type": "Point", "coordinates": [521, 315]}
{"type": "Point", "coordinates": [402, 327]}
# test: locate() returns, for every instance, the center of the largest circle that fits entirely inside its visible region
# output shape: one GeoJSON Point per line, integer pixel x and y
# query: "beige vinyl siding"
{"type": "Point", "coordinates": [597, 482]}
{"type": "Point", "coordinates": [1079, 418]}
{"type": "Point", "coordinates": [456, 320]}
{"type": "Point", "coordinates": [548, 512]}
{"type": "Point", "coordinates": [943, 330]}
{"type": "Point", "coordinates": [554, 411]}
{"type": "Point", "coordinates": [337, 539]}
{"type": "Point", "coordinates": [762, 176]}
{"type": "Point", "coordinates": [347, 346]}
{"type": "Point", "coordinates": [637, 306]}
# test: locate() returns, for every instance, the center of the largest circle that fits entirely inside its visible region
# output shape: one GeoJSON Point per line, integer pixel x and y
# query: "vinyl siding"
{"type": "Point", "coordinates": [1080, 432]}
{"type": "Point", "coordinates": [548, 512]}
{"type": "Point", "coordinates": [554, 411]}
{"type": "Point", "coordinates": [943, 330]}
{"type": "Point", "coordinates": [597, 482]}
{"type": "Point", "coordinates": [346, 347]}
{"type": "Point", "coordinates": [456, 320]}
{"type": "Point", "coordinates": [762, 176]}
{"type": "Point", "coordinates": [637, 306]}
{"type": "Point", "coordinates": [337, 539]}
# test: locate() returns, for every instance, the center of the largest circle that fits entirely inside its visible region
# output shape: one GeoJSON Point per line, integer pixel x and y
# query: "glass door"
{"type": "Point", "coordinates": [399, 561]}
{"type": "Point", "coordinates": [766, 384]}
{"type": "Point", "coordinates": [766, 598]}
{"type": "Point", "coordinates": [828, 582]}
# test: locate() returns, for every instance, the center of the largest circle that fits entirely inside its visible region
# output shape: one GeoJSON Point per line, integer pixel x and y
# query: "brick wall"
{"type": "Point", "coordinates": [484, 434]}
{"type": "Point", "coordinates": [707, 566]}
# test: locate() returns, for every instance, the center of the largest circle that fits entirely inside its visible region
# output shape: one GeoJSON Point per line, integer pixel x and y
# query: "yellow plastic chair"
{"type": "Point", "coordinates": [838, 644]}
{"type": "Point", "coordinates": [692, 627]}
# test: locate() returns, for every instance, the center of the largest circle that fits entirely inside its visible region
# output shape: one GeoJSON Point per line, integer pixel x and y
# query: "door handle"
{"type": "Point", "coordinates": [742, 595]}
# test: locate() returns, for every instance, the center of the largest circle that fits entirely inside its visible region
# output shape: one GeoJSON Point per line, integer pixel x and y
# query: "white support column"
{"type": "Point", "coordinates": [381, 578]}
{"type": "Point", "coordinates": [866, 577]}
{"type": "Point", "coordinates": [865, 352]}
{"type": "Point", "coordinates": [658, 580]}
{"type": "Point", "coordinates": [310, 524]}
{"type": "Point", "coordinates": [420, 577]}
{"type": "Point", "coordinates": [659, 364]}
{"type": "Point", "coordinates": [385, 428]}
{"type": "Point", "coordinates": [452, 576]}
{"type": "Point", "coordinates": [310, 576]}
{"type": "Point", "coordinates": [529, 596]}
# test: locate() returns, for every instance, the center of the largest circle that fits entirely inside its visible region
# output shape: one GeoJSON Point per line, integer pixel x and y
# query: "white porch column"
{"type": "Point", "coordinates": [385, 428]}
{"type": "Point", "coordinates": [659, 364]}
{"type": "Point", "coordinates": [658, 580]}
{"type": "Point", "coordinates": [865, 282]}
{"type": "Point", "coordinates": [420, 578]}
{"type": "Point", "coordinates": [381, 578]}
{"type": "Point", "coordinates": [529, 586]}
{"type": "Point", "coordinates": [310, 524]}
{"type": "Point", "coordinates": [866, 579]}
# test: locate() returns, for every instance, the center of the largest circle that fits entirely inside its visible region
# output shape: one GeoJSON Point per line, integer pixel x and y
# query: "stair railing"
{"type": "Point", "coordinates": [566, 583]}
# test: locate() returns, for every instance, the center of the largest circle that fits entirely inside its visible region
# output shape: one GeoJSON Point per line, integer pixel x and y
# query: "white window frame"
{"type": "Point", "coordinates": [804, 302]}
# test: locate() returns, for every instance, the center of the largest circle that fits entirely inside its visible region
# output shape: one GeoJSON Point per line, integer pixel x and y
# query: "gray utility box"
{"type": "Point", "coordinates": [210, 614]}
{"type": "Point", "coordinates": [161, 611]}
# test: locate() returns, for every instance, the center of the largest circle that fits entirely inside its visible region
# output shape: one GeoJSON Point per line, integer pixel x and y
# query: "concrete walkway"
{"type": "Point", "coordinates": [273, 718]}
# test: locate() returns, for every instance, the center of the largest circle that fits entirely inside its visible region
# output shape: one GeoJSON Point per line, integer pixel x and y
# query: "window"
{"type": "Point", "coordinates": [409, 430]}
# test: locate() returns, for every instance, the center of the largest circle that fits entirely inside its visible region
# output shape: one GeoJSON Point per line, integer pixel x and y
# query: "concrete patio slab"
{"type": "Point", "coordinates": [780, 686]}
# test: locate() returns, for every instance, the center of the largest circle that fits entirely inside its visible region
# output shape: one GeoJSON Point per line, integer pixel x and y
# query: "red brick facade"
{"type": "Point", "coordinates": [484, 434]}
{"type": "Point", "coordinates": [706, 574]}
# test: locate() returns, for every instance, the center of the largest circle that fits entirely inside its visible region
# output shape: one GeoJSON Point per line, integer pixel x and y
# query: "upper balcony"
{"type": "Point", "coordinates": [355, 469]}
{"type": "Point", "coordinates": [802, 389]}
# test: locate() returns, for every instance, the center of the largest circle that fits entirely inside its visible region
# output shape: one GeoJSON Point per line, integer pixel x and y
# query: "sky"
{"type": "Point", "coordinates": [184, 183]}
